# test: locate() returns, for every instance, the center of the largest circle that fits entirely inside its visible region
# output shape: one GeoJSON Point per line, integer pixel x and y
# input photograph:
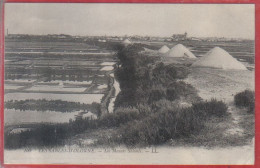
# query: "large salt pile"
{"type": "Point", "coordinates": [126, 41]}
{"type": "Point", "coordinates": [219, 58]}
{"type": "Point", "coordinates": [163, 49]}
{"type": "Point", "coordinates": [180, 51]}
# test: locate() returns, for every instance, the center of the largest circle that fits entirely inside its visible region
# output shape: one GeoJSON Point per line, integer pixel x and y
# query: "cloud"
{"type": "Point", "coordinates": [227, 20]}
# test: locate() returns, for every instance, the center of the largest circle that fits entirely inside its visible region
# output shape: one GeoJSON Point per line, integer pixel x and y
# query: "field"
{"type": "Point", "coordinates": [66, 71]}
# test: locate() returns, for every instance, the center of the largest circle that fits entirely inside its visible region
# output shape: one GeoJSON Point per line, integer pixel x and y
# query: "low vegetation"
{"type": "Point", "coordinates": [145, 79]}
{"type": "Point", "coordinates": [173, 123]}
{"type": "Point", "coordinates": [158, 86]}
{"type": "Point", "coordinates": [46, 135]}
{"type": "Point", "coordinates": [52, 105]}
{"type": "Point", "coordinates": [245, 99]}
{"type": "Point", "coordinates": [135, 126]}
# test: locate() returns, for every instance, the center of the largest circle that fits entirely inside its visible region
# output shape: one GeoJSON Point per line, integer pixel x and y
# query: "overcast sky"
{"type": "Point", "coordinates": [199, 20]}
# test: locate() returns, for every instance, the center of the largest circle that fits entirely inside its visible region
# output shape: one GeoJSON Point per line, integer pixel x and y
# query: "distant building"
{"type": "Point", "coordinates": [179, 37]}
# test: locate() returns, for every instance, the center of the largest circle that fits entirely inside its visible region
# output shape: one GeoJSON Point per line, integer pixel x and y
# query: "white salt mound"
{"type": "Point", "coordinates": [163, 49]}
{"type": "Point", "coordinates": [219, 58]}
{"type": "Point", "coordinates": [180, 51]}
{"type": "Point", "coordinates": [126, 41]}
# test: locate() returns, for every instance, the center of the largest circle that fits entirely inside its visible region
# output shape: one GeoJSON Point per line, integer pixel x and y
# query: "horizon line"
{"type": "Point", "coordinates": [133, 35]}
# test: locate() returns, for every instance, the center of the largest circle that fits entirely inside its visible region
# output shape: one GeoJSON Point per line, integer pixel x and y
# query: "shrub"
{"type": "Point", "coordinates": [120, 116]}
{"type": "Point", "coordinates": [170, 123]}
{"type": "Point", "coordinates": [42, 136]}
{"type": "Point", "coordinates": [211, 108]}
{"type": "Point", "coordinates": [251, 108]}
{"type": "Point", "coordinates": [164, 105]}
{"type": "Point", "coordinates": [47, 135]}
{"type": "Point", "coordinates": [144, 109]}
{"type": "Point", "coordinates": [156, 94]}
{"type": "Point", "coordinates": [165, 73]}
{"type": "Point", "coordinates": [161, 127]}
{"type": "Point", "coordinates": [126, 98]}
{"type": "Point", "coordinates": [245, 99]}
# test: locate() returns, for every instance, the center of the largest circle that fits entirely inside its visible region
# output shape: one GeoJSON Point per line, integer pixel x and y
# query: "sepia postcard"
{"type": "Point", "coordinates": [129, 84]}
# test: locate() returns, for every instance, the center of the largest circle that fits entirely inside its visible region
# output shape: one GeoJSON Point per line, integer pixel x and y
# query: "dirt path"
{"type": "Point", "coordinates": [109, 95]}
{"type": "Point", "coordinates": [235, 128]}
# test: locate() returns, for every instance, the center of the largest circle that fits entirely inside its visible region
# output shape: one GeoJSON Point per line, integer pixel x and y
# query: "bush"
{"type": "Point", "coordinates": [167, 73]}
{"type": "Point", "coordinates": [170, 123]}
{"type": "Point", "coordinates": [120, 116]}
{"type": "Point", "coordinates": [180, 89]}
{"type": "Point", "coordinates": [156, 94]}
{"type": "Point", "coordinates": [211, 108]}
{"type": "Point", "coordinates": [163, 105]}
{"type": "Point", "coordinates": [160, 127]}
{"type": "Point", "coordinates": [47, 135]}
{"type": "Point", "coordinates": [245, 99]}
{"type": "Point", "coordinates": [251, 108]}
{"type": "Point", "coordinates": [42, 136]}
{"type": "Point", "coordinates": [144, 109]}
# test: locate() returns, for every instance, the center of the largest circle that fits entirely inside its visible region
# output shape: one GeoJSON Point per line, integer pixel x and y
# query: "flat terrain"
{"type": "Point", "coordinates": [83, 73]}
{"type": "Point", "coordinates": [220, 84]}
{"type": "Point", "coordinates": [66, 71]}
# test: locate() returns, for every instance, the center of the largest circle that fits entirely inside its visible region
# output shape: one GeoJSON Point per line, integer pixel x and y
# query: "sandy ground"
{"type": "Point", "coordinates": [162, 155]}
{"type": "Point", "coordinates": [220, 84]}
{"type": "Point", "coordinates": [223, 85]}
